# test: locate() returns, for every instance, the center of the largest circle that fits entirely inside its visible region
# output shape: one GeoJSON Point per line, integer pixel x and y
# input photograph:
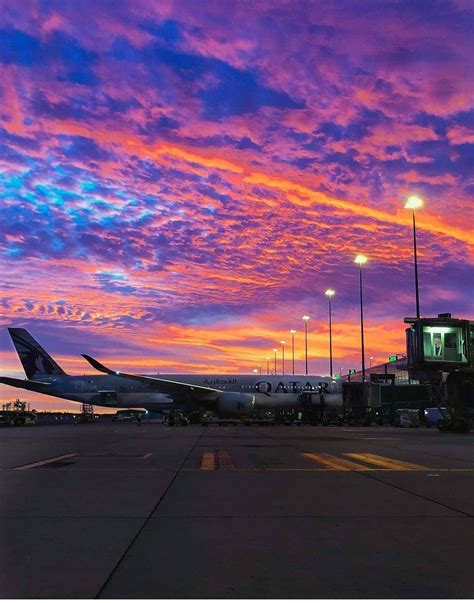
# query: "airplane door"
{"type": "Point", "coordinates": [108, 398]}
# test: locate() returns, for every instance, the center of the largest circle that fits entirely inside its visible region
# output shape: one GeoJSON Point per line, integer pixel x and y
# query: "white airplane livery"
{"type": "Point", "coordinates": [226, 395]}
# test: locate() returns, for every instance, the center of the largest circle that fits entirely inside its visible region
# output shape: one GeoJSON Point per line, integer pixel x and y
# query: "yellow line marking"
{"type": "Point", "coordinates": [387, 463]}
{"type": "Point", "coordinates": [336, 463]}
{"type": "Point", "coordinates": [45, 462]}
{"type": "Point", "coordinates": [208, 461]}
{"type": "Point", "coordinates": [225, 460]}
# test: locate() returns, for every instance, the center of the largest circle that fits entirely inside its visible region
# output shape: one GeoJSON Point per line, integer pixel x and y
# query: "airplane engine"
{"type": "Point", "coordinates": [235, 404]}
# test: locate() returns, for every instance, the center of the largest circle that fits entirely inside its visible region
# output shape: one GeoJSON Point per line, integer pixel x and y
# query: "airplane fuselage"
{"type": "Point", "coordinates": [269, 391]}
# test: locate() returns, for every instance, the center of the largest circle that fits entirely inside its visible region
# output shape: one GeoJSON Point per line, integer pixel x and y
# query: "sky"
{"type": "Point", "coordinates": [181, 181]}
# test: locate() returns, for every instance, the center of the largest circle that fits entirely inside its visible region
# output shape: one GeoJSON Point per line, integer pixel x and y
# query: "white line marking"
{"type": "Point", "coordinates": [45, 462]}
{"type": "Point", "coordinates": [378, 438]}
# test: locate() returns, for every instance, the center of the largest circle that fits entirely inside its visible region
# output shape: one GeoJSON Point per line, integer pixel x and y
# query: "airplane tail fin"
{"type": "Point", "coordinates": [36, 361]}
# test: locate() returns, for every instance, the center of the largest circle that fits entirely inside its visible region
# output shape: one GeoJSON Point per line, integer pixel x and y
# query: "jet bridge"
{"type": "Point", "coordinates": [439, 344]}
{"type": "Point", "coordinates": [440, 354]}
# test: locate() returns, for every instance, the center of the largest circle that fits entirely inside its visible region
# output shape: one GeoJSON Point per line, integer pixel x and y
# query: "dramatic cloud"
{"type": "Point", "coordinates": [180, 185]}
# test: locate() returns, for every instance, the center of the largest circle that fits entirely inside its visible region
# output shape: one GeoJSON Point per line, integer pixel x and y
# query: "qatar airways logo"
{"type": "Point", "coordinates": [291, 387]}
{"type": "Point", "coordinates": [220, 381]}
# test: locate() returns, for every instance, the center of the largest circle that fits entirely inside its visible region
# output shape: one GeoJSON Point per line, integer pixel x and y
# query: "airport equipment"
{"type": "Point", "coordinates": [354, 396]}
{"type": "Point", "coordinates": [385, 396]}
{"type": "Point", "coordinates": [176, 417]}
{"type": "Point", "coordinates": [314, 408]}
{"type": "Point", "coordinates": [378, 399]}
{"type": "Point", "coordinates": [406, 417]}
{"type": "Point", "coordinates": [17, 413]}
{"type": "Point", "coordinates": [124, 416]}
{"type": "Point", "coordinates": [129, 416]}
{"type": "Point", "coordinates": [440, 354]}
{"type": "Point", "coordinates": [87, 413]}
{"type": "Point", "coordinates": [435, 416]}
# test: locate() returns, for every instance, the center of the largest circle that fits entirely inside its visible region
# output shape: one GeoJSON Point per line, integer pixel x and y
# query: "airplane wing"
{"type": "Point", "coordinates": [22, 382]}
{"type": "Point", "coordinates": [163, 385]}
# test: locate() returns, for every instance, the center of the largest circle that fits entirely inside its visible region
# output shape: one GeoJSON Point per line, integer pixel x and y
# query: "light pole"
{"type": "Point", "coordinates": [275, 359]}
{"type": "Point", "coordinates": [305, 318]}
{"type": "Point", "coordinates": [283, 354]}
{"type": "Point", "coordinates": [292, 331]}
{"type": "Point", "coordinates": [330, 293]}
{"type": "Point", "coordinates": [361, 259]}
{"type": "Point", "coordinates": [259, 369]}
{"type": "Point", "coordinates": [370, 361]}
{"type": "Point", "coordinates": [415, 203]}
{"type": "Point", "coordinates": [267, 358]}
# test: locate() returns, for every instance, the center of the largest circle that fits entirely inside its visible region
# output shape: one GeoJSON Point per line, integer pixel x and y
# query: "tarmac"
{"type": "Point", "coordinates": [113, 510]}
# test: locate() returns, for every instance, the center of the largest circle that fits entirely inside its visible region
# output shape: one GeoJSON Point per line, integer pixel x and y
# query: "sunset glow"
{"type": "Point", "coordinates": [180, 185]}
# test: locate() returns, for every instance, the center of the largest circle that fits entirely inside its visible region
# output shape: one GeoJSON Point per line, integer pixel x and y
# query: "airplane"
{"type": "Point", "coordinates": [226, 395]}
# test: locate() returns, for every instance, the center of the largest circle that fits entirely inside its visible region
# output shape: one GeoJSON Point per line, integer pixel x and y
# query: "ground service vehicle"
{"type": "Point", "coordinates": [434, 415]}
{"type": "Point", "coordinates": [406, 417]}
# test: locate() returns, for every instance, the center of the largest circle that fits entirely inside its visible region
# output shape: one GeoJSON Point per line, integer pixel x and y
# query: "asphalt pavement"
{"type": "Point", "coordinates": [114, 510]}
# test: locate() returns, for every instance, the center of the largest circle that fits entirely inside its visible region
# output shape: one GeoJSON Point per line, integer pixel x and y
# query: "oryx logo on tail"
{"type": "Point", "coordinates": [35, 360]}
